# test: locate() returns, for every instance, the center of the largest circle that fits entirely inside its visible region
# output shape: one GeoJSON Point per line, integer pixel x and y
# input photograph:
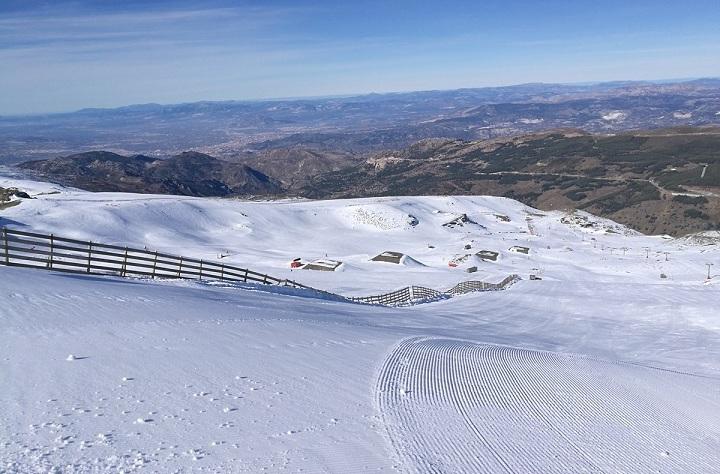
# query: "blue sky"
{"type": "Point", "coordinates": [59, 56]}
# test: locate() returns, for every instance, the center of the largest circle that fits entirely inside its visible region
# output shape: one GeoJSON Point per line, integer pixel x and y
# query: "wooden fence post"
{"type": "Point", "coordinates": [201, 269]}
{"type": "Point", "coordinates": [89, 255]}
{"type": "Point", "coordinates": [52, 248]}
{"type": "Point", "coordinates": [123, 269]}
{"type": "Point", "coordinates": [7, 251]}
{"type": "Point", "coordinates": [180, 268]}
{"type": "Point", "coordinates": [154, 264]}
{"type": "Point", "coordinates": [264, 279]}
{"type": "Point", "coordinates": [245, 277]}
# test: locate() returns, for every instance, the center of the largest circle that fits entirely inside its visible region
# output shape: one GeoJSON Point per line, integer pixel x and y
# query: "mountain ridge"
{"type": "Point", "coordinates": [189, 173]}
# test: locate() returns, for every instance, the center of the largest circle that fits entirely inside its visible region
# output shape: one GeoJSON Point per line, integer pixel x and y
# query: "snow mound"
{"type": "Point", "coordinates": [377, 216]}
{"type": "Point", "coordinates": [408, 261]}
{"type": "Point", "coordinates": [589, 223]}
{"type": "Point", "coordinates": [711, 237]}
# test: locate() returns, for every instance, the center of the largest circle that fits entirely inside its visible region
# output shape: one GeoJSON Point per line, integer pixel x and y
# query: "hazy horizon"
{"type": "Point", "coordinates": [366, 93]}
{"type": "Point", "coordinates": [67, 56]}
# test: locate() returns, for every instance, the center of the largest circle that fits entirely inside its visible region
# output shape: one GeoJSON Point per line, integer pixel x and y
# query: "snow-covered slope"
{"type": "Point", "coordinates": [601, 366]}
{"type": "Point", "coordinates": [268, 235]}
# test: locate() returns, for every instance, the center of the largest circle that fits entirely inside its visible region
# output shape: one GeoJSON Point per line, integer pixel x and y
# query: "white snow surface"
{"type": "Point", "coordinates": [601, 366]}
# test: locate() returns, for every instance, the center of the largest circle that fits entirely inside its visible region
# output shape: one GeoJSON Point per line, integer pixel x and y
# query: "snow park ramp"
{"type": "Point", "coordinates": [510, 410]}
{"type": "Point", "coordinates": [389, 257]}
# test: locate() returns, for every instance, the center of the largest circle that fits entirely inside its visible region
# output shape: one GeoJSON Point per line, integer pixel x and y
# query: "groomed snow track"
{"type": "Point", "coordinates": [457, 406]}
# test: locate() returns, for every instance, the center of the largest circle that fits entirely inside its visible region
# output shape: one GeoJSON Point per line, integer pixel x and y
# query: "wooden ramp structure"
{"type": "Point", "coordinates": [389, 257]}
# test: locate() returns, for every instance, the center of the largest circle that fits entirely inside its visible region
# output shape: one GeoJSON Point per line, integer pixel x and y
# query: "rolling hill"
{"type": "Point", "coordinates": [189, 173]}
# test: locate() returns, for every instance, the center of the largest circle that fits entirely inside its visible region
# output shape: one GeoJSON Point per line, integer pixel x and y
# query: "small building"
{"type": "Point", "coordinates": [389, 257]}
{"type": "Point", "coordinates": [488, 255]}
{"type": "Point", "coordinates": [323, 265]}
{"type": "Point", "coordinates": [519, 249]}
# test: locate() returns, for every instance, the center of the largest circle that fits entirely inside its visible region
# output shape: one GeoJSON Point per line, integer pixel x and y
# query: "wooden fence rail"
{"type": "Point", "coordinates": [33, 250]}
{"type": "Point", "coordinates": [30, 249]}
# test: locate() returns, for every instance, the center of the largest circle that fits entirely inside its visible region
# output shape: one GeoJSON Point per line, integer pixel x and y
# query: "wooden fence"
{"type": "Point", "coordinates": [411, 295]}
{"type": "Point", "coordinates": [470, 286]}
{"type": "Point", "coordinates": [33, 250]}
{"type": "Point", "coordinates": [29, 249]}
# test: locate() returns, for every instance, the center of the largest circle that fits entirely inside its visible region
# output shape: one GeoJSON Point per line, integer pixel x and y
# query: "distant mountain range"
{"type": "Point", "coordinates": [657, 181]}
{"type": "Point", "coordinates": [363, 124]}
